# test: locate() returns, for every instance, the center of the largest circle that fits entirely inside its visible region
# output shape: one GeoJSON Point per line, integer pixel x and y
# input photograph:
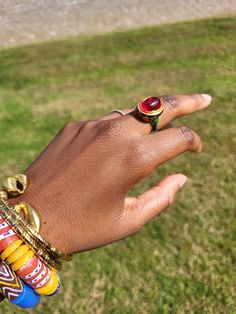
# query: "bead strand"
{"type": "Point", "coordinates": [15, 290]}
{"type": "Point", "coordinates": [26, 258]}
{"type": "Point", "coordinates": [19, 256]}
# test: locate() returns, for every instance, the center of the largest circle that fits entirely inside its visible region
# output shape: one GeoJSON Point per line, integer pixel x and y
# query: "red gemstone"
{"type": "Point", "coordinates": [151, 104]}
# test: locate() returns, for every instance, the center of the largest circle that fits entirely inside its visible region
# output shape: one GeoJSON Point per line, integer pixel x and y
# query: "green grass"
{"type": "Point", "coordinates": [184, 261]}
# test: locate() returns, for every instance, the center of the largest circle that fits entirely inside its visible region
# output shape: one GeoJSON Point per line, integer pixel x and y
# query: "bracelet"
{"type": "Point", "coordinates": [25, 256]}
{"type": "Point", "coordinates": [33, 229]}
{"type": "Point", "coordinates": [15, 290]}
{"type": "Point", "coordinates": [36, 276]}
{"type": "Point", "coordinates": [15, 220]}
{"type": "Point", "coordinates": [17, 185]}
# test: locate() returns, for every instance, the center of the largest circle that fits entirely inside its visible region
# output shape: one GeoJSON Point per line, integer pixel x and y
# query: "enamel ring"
{"type": "Point", "coordinates": [150, 109]}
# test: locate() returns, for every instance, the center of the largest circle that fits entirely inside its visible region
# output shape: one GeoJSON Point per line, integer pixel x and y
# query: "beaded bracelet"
{"type": "Point", "coordinates": [24, 253]}
{"type": "Point", "coordinates": [15, 290]}
{"type": "Point", "coordinates": [35, 274]}
{"type": "Point", "coordinates": [15, 186]}
{"type": "Point", "coordinates": [14, 220]}
{"type": "Point", "coordinates": [17, 222]}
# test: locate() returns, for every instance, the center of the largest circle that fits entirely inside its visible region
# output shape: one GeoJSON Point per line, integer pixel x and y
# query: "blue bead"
{"type": "Point", "coordinates": [28, 297]}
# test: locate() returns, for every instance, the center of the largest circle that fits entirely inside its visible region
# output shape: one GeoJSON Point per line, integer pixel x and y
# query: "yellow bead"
{"type": "Point", "coordinates": [50, 287]}
{"type": "Point", "coordinates": [18, 253]}
{"type": "Point", "coordinates": [22, 261]}
{"type": "Point", "coordinates": [10, 249]}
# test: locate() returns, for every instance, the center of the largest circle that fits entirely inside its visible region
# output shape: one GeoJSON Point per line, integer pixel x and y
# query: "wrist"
{"type": "Point", "coordinates": [50, 222]}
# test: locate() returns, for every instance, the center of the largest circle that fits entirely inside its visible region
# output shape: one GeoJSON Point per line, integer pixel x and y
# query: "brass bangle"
{"type": "Point", "coordinates": [30, 214]}
{"type": "Point", "coordinates": [15, 220]}
{"type": "Point", "coordinates": [33, 227]}
{"type": "Point", "coordinates": [28, 225]}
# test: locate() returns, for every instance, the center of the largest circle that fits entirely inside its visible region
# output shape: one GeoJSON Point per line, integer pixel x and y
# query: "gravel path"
{"type": "Point", "coordinates": [25, 21]}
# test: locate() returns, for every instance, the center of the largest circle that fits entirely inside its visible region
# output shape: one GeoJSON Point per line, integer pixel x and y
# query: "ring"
{"type": "Point", "coordinates": [150, 109]}
{"type": "Point", "coordinates": [118, 111]}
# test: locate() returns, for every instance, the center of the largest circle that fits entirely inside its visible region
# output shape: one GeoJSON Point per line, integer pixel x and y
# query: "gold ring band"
{"type": "Point", "coordinates": [118, 111]}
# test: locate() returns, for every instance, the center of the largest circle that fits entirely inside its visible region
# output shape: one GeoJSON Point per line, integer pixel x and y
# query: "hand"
{"type": "Point", "coordinates": [79, 183]}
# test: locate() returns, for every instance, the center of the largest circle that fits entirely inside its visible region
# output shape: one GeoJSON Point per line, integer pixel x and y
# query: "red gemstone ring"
{"type": "Point", "coordinates": [149, 109]}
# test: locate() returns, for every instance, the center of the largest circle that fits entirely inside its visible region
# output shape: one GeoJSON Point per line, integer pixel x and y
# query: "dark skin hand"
{"type": "Point", "coordinates": [79, 183]}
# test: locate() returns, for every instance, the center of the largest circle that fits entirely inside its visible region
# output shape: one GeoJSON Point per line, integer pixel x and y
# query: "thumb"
{"type": "Point", "coordinates": [141, 209]}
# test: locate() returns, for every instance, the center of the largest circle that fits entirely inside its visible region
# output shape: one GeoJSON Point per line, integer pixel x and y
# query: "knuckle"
{"type": "Point", "coordinates": [111, 128]}
{"type": "Point", "coordinates": [89, 124]}
{"type": "Point", "coordinates": [188, 135]}
{"type": "Point", "coordinates": [70, 126]}
{"type": "Point", "coordinates": [171, 103]}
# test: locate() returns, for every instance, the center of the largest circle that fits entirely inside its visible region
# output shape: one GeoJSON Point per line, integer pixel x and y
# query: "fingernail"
{"type": "Point", "coordinates": [207, 98]}
{"type": "Point", "coordinates": [182, 181]}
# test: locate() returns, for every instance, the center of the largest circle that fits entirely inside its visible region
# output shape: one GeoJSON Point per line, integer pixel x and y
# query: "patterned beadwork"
{"type": "Point", "coordinates": [27, 265]}
{"type": "Point", "coordinates": [11, 286]}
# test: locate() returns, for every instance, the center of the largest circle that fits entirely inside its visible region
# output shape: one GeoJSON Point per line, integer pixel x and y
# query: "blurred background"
{"type": "Point", "coordinates": [109, 54]}
{"type": "Point", "coordinates": [25, 21]}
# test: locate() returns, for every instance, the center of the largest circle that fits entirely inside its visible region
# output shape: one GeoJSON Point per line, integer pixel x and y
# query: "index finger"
{"type": "Point", "coordinates": [181, 105]}
{"type": "Point", "coordinates": [174, 107]}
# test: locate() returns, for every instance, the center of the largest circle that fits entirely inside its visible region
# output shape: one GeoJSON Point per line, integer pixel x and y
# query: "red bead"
{"type": "Point", "coordinates": [4, 230]}
{"type": "Point", "coordinates": [39, 280]}
{"type": "Point", "coordinates": [150, 104]}
{"type": "Point", "coordinates": [4, 226]}
{"type": "Point", "coordinates": [7, 241]}
{"type": "Point", "coordinates": [29, 267]}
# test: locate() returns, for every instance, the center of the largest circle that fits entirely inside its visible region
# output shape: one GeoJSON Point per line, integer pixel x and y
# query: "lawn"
{"type": "Point", "coordinates": [184, 261]}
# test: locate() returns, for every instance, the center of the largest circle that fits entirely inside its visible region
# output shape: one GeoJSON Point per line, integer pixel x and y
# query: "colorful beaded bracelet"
{"type": "Point", "coordinates": [27, 261]}
{"type": "Point", "coordinates": [15, 290]}
{"type": "Point", "coordinates": [17, 185]}
{"type": "Point", "coordinates": [36, 277]}
{"type": "Point", "coordinates": [19, 226]}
